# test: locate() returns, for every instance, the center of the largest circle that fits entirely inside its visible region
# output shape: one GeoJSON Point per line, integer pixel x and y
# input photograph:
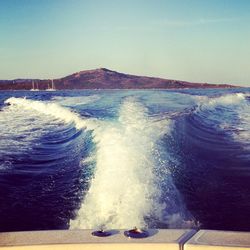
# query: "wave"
{"type": "Point", "coordinates": [125, 170]}
{"type": "Point", "coordinates": [224, 100]}
{"type": "Point", "coordinates": [33, 142]}
{"type": "Point", "coordinates": [241, 132]}
{"type": "Point", "coordinates": [214, 159]}
{"type": "Point", "coordinates": [54, 110]}
{"type": "Point", "coordinates": [19, 129]}
{"type": "Point", "coordinates": [125, 189]}
{"type": "Point", "coordinates": [75, 100]}
{"type": "Point", "coordinates": [132, 181]}
{"type": "Point", "coordinates": [229, 113]}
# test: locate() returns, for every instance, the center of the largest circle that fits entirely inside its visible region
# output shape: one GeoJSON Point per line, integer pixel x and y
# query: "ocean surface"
{"type": "Point", "coordinates": [119, 159]}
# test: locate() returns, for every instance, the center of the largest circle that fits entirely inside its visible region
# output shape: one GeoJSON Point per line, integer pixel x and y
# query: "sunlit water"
{"type": "Point", "coordinates": [119, 159]}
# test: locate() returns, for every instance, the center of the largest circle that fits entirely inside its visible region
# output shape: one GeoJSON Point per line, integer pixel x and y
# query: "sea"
{"type": "Point", "coordinates": [119, 159]}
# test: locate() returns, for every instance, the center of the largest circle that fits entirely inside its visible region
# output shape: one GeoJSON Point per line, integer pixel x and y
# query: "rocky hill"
{"type": "Point", "coordinates": [104, 79]}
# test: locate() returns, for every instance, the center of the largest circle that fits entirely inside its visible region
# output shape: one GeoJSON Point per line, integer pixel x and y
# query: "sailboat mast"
{"type": "Point", "coordinates": [52, 83]}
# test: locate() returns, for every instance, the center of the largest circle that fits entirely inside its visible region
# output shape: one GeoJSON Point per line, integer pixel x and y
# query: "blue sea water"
{"type": "Point", "coordinates": [125, 158]}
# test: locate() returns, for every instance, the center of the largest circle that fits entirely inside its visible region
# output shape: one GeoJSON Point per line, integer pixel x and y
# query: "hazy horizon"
{"type": "Point", "coordinates": [198, 41]}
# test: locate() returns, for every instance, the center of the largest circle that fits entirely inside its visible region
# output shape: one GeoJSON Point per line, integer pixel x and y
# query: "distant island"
{"type": "Point", "coordinates": [103, 79]}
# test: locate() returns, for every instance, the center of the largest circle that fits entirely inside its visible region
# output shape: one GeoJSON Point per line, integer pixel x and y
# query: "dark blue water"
{"type": "Point", "coordinates": [86, 159]}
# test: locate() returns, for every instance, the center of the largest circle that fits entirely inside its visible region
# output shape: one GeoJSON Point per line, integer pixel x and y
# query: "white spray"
{"type": "Point", "coordinates": [125, 188]}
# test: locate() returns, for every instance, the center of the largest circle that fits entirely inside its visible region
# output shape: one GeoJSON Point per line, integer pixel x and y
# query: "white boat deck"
{"type": "Point", "coordinates": [163, 239]}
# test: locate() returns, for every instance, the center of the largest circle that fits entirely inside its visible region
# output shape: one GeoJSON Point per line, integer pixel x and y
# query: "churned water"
{"type": "Point", "coordinates": [119, 159]}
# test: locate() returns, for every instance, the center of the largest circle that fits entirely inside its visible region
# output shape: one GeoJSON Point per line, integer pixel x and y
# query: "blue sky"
{"type": "Point", "coordinates": [194, 40]}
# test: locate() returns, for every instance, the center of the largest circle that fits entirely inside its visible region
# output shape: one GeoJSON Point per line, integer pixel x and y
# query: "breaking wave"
{"type": "Point", "coordinates": [233, 108]}
{"type": "Point", "coordinates": [54, 110]}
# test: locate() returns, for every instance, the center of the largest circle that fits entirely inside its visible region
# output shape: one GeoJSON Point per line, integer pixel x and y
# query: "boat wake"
{"type": "Point", "coordinates": [120, 159]}
{"type": "Point", "coordinates": [234, 108]}
{"type": "Point", "coordinates": [131, 184]}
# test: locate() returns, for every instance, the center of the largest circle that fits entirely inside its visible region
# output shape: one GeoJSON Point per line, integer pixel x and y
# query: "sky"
{"type": "Point", "coordinates": [193, 40]}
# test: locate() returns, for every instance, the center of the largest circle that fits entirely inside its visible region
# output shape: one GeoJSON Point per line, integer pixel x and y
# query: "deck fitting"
{"type": "Point", "coordinates": [101, 233]}
{"type": "Point", "coordinates": [136, 233]}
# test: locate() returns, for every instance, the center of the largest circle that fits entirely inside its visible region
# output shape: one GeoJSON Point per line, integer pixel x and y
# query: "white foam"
{"type": "Point", "coordinates": [19, 128]}
{"type": "Point", "coordinates": [54, 110]}
{"type": "Point", "coordinates": [242, 130]}
{"type": "Point", "coordinates": [124, 189]}
{"type": "Point", "coordinates": [239, 128]}
{"type": "Point", "coordinates": [229, 99]}
{"type": "Point", "coordinates": [130, 164]}
{"type": "Point", "coordinates": [6, 165]}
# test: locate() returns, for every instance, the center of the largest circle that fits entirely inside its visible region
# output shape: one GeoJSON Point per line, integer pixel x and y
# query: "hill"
{"type": "Point", "coordinates": [105, 79]}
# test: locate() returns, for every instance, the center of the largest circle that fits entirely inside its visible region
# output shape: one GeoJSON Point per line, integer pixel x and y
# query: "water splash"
{"type": "Point", "coordinates": [130, 165]}
{"type": "Point", "coordinates": [124, 189]}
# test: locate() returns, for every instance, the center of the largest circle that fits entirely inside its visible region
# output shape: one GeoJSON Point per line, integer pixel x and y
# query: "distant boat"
{"type": "Point", "coordinates": [52, 87]}
{"type": "Point", "coordinates": [33, 86]}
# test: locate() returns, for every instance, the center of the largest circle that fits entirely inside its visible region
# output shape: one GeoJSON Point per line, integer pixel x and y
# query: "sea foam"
{"type": "Point", "coordinates": [54, 110]}
{"type": "Point", "coordinates": [124, 189]}
{"type": "Point", "coordinates": [236, 103]}
{"type": "Point", "coordinates": [130, 166]}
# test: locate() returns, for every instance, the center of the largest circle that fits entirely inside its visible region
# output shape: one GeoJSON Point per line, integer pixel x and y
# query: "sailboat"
{"type": "Point", "coordinates": [52, 88]}
{"type": "Point", "coordinates": [33, 86]}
